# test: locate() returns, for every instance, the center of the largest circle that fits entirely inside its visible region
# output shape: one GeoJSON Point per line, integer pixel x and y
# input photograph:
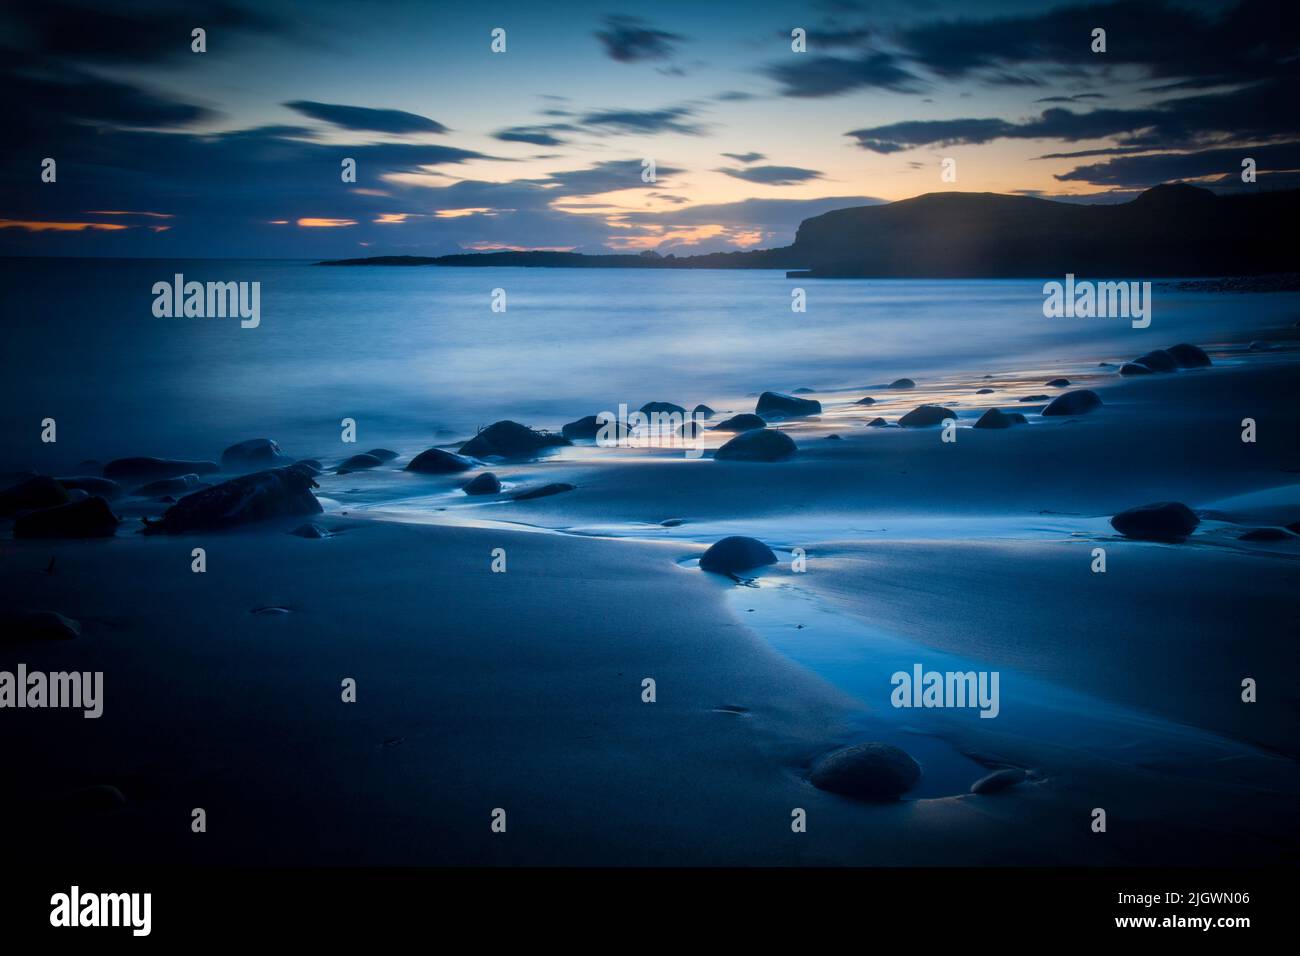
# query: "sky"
{"type": "Point", "coordinates": [238, 151]}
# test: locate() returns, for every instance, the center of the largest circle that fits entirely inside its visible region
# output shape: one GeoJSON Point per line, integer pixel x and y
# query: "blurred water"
{"type": "Point", "coordinates": [416, 355]}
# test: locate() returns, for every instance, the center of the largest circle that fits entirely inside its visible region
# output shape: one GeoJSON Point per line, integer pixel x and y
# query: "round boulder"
{"type": "Point", "coordinates": [996, 418]}
{"type": "Point", "coordinates": [924, 416]}
{"type": "Point", "coordinates": [1158, 360]}
{"type": "Point", "coordinates": [872, 771]}
{"type": "Point", "coordinates": [740, 423]}
{"type": "Point", "coordinates": [1168, 521]}
{"type": "Point", "coordinates": [1189, 356]}
{"type": "Point", "coordinates": [484, 484]}
{"type": "Point", "coordinates": [736, 553]}
{"type": "Point", "coordinates": [1073, 403]}
{"type": "Point", "coordinates": [439, 461]}
{"type": "Point", "coordinates": [759, 444]}
{"type": "Point", "coordinates": [778, 404]}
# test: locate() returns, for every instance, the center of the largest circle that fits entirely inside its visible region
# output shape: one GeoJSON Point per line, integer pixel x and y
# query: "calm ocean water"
{"type": "Point", "coordinates": [416, 355]}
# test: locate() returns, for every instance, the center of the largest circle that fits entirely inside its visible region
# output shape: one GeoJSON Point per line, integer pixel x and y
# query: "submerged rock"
{"type": "Point", "coordinates": [88, 518]}
{"type": "Point", "coordinates": [703, 411]}
{"type": "Point", "coordinates": [310, 530]}
{"type": "Point", "coordinates": [902, 383]}
{"type": "Point", "coordinates": [92, 485]}
{"type": "Point", "coordinates": [662, 408]}
{"type": "Point", "coordinates": [924, 416]}
{"type": "Point", "coordinates": [439, 461]}
{"type": "Point", "coordinates": [1033, 398]}
{"type": "Point", "coordinates": [507, 439]}
{"type": "Point", "coordinates": [383, 454]}
{"type": "Point", "coordinates": [170, 486]}
{"type": "Point", "coordinates": [984, 391]}
{"type": "Point", "coordinates": [1158, 360]}
{"type": "Point", "coordinates": [358, 463]}
{"type": "Point", "coordinates": [1259, 345]}
{"type": "Point", "coordinates": [583, 428]}
{"type": "Point", "coordinates": [554, 488]}
{"type": "Point", "coordinates": [37, 626]}
{"type": "Point", "coordinates": [484, 484]}
{"type": "Point", "coordinates": [871, 771]}
{"type": "Point", "coordinates": [772, 404]}
{"type": "Point", "coordinates": [877, 423]}
{"type": "Point", "coordinates": [1168, 521]}
{"type": "Point", "coordinates": [868, 400]}
{"type": "Point", "coordinates": [1073, 403]}
{"type": "Point", "coordinates": [736, 553]}
{"type": "Point", "coordinates": [1059, 383]}
{"type": "Point", "coordinates": [1134, 368]}
{"type": "Point", "coordinates": [998, 781]}
{"type": "Point", "coordinates": [139, 470]}
{"type": "Point", "coordinates": [1189, 356]}
{"type": "Point", "coordinates": [804, 391]}
{"type": "Point", "coordinates": [740, 423]}
{"type": "Point", "coordinates": [313, 464]}
{"type": "Point", "coordinates": [38, 492]}
{"type": "Point", "coordinates": [996, 418]}
{"type": "Point", "coordinates": [253, 454]}
{"type": "Point", "coordinates": [263, 495]}
{"type": "Point", "coordinates": [758, 444]}
{"type": "Point", "coordinates": [1265, 534]}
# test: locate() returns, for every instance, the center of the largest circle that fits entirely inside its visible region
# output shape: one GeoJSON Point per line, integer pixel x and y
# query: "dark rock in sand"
{"type": "Point", "coordinates": [902, 383]}
{"type": "Point", "coordinates": [672, 522]}
{"type": "Point", "coordinates": [1134, 368]}
{"type": "Point", "coordinates": [309, 530]}
{"type": "Point", "coordinates": [984, 391]}
{"type": "Point", "coordinates": [89, 518]}
{"type": "Point", "coordinates": [923, 416]}
{"type": "Point", "coordinates": [439, 461]}
{"type": "Point", "coordinates": [804, 391]}
{"type": "Point", "coordinates": [1034, 398]}
{"type": "Point", "coordinates": [507, 439]}
{"type": "Point", "coordinates": [998, 781]}
{"type": "Point", "coordinates": [1189, 356]}
{"type": "Point", "coordinates": [313, 464]}
{"type": "Point", "coordinates": [383, 454]}
{"type": "Point", "coordinates": [253, 454]}
{"type": "Point", "coordinates": [690, 429]}
{"type": "Point", "coordinates": [1105, 365]}
{"type": "Point", "coordinates": [92, 486]}
{"type": "Point", "coordinates": [1059, 383]}
{"type": "Point", "coordinates": [759, 444]}
{"type": "Point", "coordinates": [261, 496]}
{"type": "Point", "coordinates": [996, 418]}
{"type": "Point", "coordinates": [1168, 521]}
{"type": "Point", "coordinates": [38, 492]}
{"type": "Point", "coordinates": [358, 463]}
{"type": "Point", "coordinates": [583, 428]}
{"type": "Point", "coordinates": [877, 423]}
{"type": "Point", "coordinates": [865, 401]}
{"type": "Point", "coordinates": [1073, 403]}
{"type": "Point", "coordinates": [135, 471]}
{"type": "Point", "coordinates": [740, 423]}
{"type": "Point", "coordinates": [1158, 360]}
{"type": "Point", "coordinates": [703, 411]}
{"type": "Point", "coordinates": [23, 626]}
{"type": "Point", "coordinates": [554, 488]}
{"type": "Point", "coordinates": [484, 484]}
{"type": "Point", "coordinates": [872, 771]}
{"type": "Point", "coordinates": [182, 485]}
{"type": "Point", "coordinates": [834, 438]}
{"type": "Point", "coordinates": [736, 553]}
{"type": "Point", "coordinates": [1266, 534]}
{"type": "Point", "coordinates": [772, 404]}
{"type": "Point", "coordinates": [662, 408]}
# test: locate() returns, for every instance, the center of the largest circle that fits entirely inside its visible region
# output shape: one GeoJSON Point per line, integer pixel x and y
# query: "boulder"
{"type": "Point", "coordinates": [871, 771]}
{"type": "Point", "coordinates": [484, 484]}
{"type": "Point", "coordinates": [23, 626]}
{"type": "Point", "coordinates": [38, 492]}
{"type": "Point", "coordinates": [834, 438]}
{"type": "Point", "coordinates": [251, 455]}
{"type": "Point", "coordinates": [877, 423]}
{"type": "Point", "coordinates": [507, 439]}
{"type": "Point", "coordinates": [703, 411]}
{"type": "Point", "coordinates": [996, 418]}
{"type": "Point", "coordinates": [1265, 534]}
{"type": "Point", "coordinates": [1134, 368]}
{"type": "Point", "coordinates": [310, 530]}
{"type": "Point", "coordinates": [804, 391]}
{"type": "Point", "coordinates": [260, 496]}
{"type": "Point", "coordinates": [1034, 398]}
{"type": "Point", "coordinates": [439, 461]}
{"type": "Point", "coordinates": [1158, 360]}
{"type": "Point", "coordinates": [1073, 403]}
{"type": "Point", "coordinates": [1189, 356]}
{"type": "Point", "coordinates": [740, 423]}
{"type": "Point", "coordinates": [383, 454]}
{"type": "Point", "coordinates": [584, 428]}
{"type": "Point", "coordinates": [312, 464]}
{"type": "Point", "coordinates": [1168, 521]}
{"type": "Point", "coordinates": [1259, 345]}
{"type": "Point", "coordinates": [736, 553]}
{"type": "Point", "coordinates": [778, 404]}
{"type": "Point", "coordinates": [998, 781]}
{"type": "Point", "coordinates": [88, 518]}
{"type": "Point", "coordinates": [136, 471]}
{"type": "Point", "coordinates": [170, 486]}
{"type": "Point", "coordinates": [758, 444]}
{"type": "Point", "coordinates": [902, 383]}
{"type": "Point", "coordinates": [924, 416]}
{"type": "Point", "coordinates": [92, 486]}
{"type": "Point", "coordinates": [690, 429]}
{"type": "Point", "coordinates": [984, 391]}
{"type": "Point", "coordinates": [1059, 383]}
{"type": "Point", "coordinates": [868, 400]}
{"type": "Point", "coordinates": [554, 488]}
{"type": "Point", "coordinates": [358, 463]}
{"type": "Point", "coordinates": [662, 408]}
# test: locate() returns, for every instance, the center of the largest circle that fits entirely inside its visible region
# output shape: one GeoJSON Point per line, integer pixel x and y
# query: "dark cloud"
{"type": "Point", "coordinates": [745, 157]}
{"type": "Point", "coordinates": [537, 135]}
{"type": "Point", "coordinates": [806, 75]}
{"type": "Point", "coordinates": [773, 175]}
{"type": "Point", "coordinates": [668, 120]}
{"type": "Point", "coordinates": [1140, 171]}
{"type": "Point", "coordinates": [363, 118]}
{"type": "Point", "coordinates": [631, 40]}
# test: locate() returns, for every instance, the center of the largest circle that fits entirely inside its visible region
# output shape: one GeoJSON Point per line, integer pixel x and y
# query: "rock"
{"type": "Point", "coordinates": [1073, 403]}
{"type": "Point", "coordinates": [310, 530]}
{"type": "Point", "coordinates": [260, 496]}
{"type": "Point", "coordinates": [871, 771]}
{"type": "Point", "coordinates": [170, 486]}
{"type": "Point", "coordinates": [778, 404]}
{"type": "Point", "coordinates": [136, 471]}
{"type": "Point", "coordinates": [834, 438]}
{"type": "Point", "coordinates": [383, 454]}
{"type": "Point", "coordinates": [672, 522]}
{"type": "Point", "coordinates": [703, 411]}
{"type": "Point", "coordinates": [554, 488]}
{"type": "Point", "coordinates": [484, 484]}
{"type": "Point", "coordinates": [736, 553]}
{"type": "Point", "coordinates": [1259, 345]}
{"type": "Point", "coordinates": [1294, 527]}
{"type": "Point", "coordinates": [253, 454]}
{"type": "Point", "coordinates": [1265, 534]}
{"type": "Point", "coordinates": [902, 383]}
{"type": "Point", "coordinates": [1158, 360]}
{"type": "Point", "coordinates": [998, 781]}
{"type": "Point", "coordinates": [662, 408]}
{"type": "Point", "coordinates": [1059, 383]}
{"type": "Point", "coordinates": [358, 463]}
{"type": "Point", "coordinates": [924, 416]}
{"type": "Point", "coordinates": [23, 626]}
{"type": "Point", "coordinates": [92, 486]}
{"type": "Point", "coordinates": [804, 391]}
{"type": "Point", "coordinates": [583, 428]}
{"type": "Point", "coordinates": [38, 492]}
{"type": "Point", "coordinates": [1189, 356]}
{"type": "Point", "coordinates": [1034, 398]}
{"type": "Point", "coordinates": [507, 439]}
{"type": "Point", "coordinates": [1134, 368]}
{"type": "Point", "coordinates": [690, 429]}
{"type": "Point", "coordinates": [758, 444]}
{"type": "Point", "coordinates": [439, 461]}
{"type": "Point", "coordinates": [89, 518]}
{"type": "Point", "coordinates": [984, 391]}
{"type": "Point", "coordinates": [877, 423]}
{"type": "Point", "coordinates": [312, 464]}
{"type": "Point", "coordinates": [740, 423]}
{"type": "Point", "coordinates": [996, 418]}
{"type": "Point", "coordinates": [870, 401]}
{"type": "Point", "coordinates": [1105, 365]}
{"type": "Point", "coordinates": [1168, 521]}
